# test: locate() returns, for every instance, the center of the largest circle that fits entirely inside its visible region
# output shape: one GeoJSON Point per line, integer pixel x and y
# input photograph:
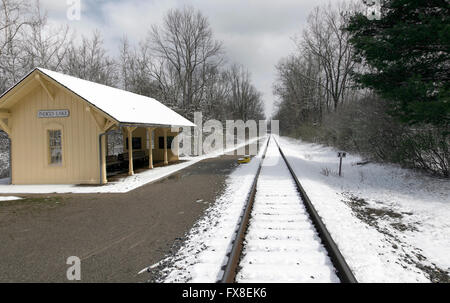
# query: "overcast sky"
{"type": "Point", "coordinates": [255, 33]}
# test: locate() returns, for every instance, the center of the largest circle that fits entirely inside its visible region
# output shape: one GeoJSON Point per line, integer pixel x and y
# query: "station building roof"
{"type": "Point", "coordinates": [125, 107]}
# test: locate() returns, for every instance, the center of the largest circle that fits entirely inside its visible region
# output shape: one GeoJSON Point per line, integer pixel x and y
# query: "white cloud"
{"type": "Point", "coordinates": [255, 33]}
{"type": "Point", "coordinates": [54, 6]}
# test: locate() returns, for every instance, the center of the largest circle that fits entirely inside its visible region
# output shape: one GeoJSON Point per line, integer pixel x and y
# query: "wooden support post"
{"type": "Point", "coordinates": [150, 148]}
{"type": "Point", "coordinates": [104, 151]}
{"type": "Point", "coordinates": [176, 150]}
{"type": "Point", "coordinates": [166, 162]}
{"type": "Point", "coordinates": [130, 150]}
{"type": "Point", "coordinates": [107, 145]}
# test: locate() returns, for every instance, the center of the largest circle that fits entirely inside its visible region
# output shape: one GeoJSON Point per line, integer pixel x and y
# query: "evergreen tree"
{"type": "Point", "coordinates": [406, 52]}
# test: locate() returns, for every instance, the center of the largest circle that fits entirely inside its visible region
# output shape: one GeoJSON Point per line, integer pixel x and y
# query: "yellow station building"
{"type": "Point", "coordinates": [58, 126]}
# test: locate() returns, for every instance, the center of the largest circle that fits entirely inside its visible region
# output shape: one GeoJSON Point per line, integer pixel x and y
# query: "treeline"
{"type": "Point", "coordinates": [378, 86]}
{"type": "Point", "coordinates": [178, 62]}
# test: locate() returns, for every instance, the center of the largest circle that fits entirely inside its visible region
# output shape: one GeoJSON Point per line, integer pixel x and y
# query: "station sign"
{"type": "Point", "coordinates": [60, 113]}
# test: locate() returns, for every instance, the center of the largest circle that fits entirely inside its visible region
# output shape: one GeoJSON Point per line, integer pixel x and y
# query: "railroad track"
{"type": "Point", "coordinates": [280, 237]}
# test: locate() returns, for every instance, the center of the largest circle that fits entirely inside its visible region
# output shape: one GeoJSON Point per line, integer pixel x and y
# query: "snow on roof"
{"type": "Point", "coordinates": [125, 107]}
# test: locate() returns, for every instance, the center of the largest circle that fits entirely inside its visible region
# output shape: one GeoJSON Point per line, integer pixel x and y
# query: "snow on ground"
{"type": "Point", "coordinates": [281, 244]}
{"type": "Point", "coordinates": [10, 198]}
{"type": "Point", "coordinates": [122, 186]}
{"type": "Point", "coordinates": [391, 224]}
{"type": "Point", "coordinates": [201, 257]}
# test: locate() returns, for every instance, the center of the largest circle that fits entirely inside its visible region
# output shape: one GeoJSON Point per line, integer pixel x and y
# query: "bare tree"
{"type": "Point", "coordinates": [325, 39]}
{"type": "Point", "coordinates": [316, 79]}
{"type": "Point", "coordinates": [27, 41]}
{"type": "Point", "coordinates": [297, 87]}
{"type": "Point", "coordinates": [216, 96]}
{"type": "Point", "coordinates": [90, 61]}
{"type": "Point", "coordinates": [245, 101]}
{"type": "Point", "coordinates": [180, 62]}
{"type": "Point", "coordinates": [45, 46]}
{"type": "Point", "coordinates": [12, 20]}
{"type": "Point", "coordinates": [135, 70]}
{"type": "Point", "coordinates": [186, 51]}
{"type": "Point", "coordinates": [14, 17]}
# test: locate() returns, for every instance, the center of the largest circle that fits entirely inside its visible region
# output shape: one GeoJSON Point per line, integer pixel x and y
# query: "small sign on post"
{"type": "Point", "coordinates": [341, 155]}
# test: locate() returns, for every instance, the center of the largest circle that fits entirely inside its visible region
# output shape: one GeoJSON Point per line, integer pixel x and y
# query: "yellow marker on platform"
{"type": "Point", "coordinates": [244, 160]}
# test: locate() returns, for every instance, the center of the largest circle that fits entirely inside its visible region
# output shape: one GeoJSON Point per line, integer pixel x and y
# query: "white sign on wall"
{"type": "Point", "coordinates": [60, 113]}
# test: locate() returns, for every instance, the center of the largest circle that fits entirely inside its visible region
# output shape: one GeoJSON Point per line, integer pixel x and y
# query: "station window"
{"type": "Point", "coordinates": [137, 143]}
{"type": "Point", "coordinates": [169, 142]}
{"type": "Point", "coordinates": [55, 146]}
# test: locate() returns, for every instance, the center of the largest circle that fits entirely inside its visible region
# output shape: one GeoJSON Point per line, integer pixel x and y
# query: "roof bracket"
{"type": "Point", "coordinates": [45, 87]}
{"type": "Point", "coordinates": [103, 123]}
{"type": "Point", "coordinates": [4, 114]}
{"type": "Point", "coordinates": [5, 126]}
{"type": "Point", "coordinates": [108, 125]}
{"type": "Point", "coordinates": [130, 129]}
{"type": "Point", "coordinates": [98, 119]}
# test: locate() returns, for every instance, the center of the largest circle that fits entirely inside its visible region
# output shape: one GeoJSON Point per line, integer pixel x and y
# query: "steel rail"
{"type": "Point", "coordinates": [230, 269]}
{"type": "Point", "coordinates": [343, 270]}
